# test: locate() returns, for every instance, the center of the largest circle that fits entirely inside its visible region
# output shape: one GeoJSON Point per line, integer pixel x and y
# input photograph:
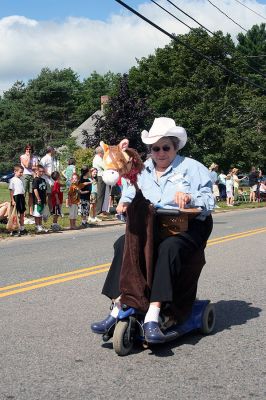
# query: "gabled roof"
{"type": "Point", "coordinates": [88, 125]}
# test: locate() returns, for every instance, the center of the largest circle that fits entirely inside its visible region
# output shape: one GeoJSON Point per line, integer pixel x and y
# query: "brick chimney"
{"type": "Point", "coordinates": [104, 101]}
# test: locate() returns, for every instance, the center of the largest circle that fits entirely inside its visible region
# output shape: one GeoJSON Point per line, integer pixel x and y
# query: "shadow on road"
{"type": "Point", "coordinates": [228, 313]}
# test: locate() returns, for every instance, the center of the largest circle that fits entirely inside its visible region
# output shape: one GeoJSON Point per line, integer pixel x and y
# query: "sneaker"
{"type": "Point", "coordinates": [23, 232]}
{"type": "Point", "coordinates": [96, 219]}
{"type": "Point", "coordinates": [55, 227]}
{"type": "Point", "coordinates": [84, 225]}
{"type": "Point", "coordinates": [15, 233]}
{"type": "Point", "coordinates": [41, 229]}
{"type": "Point", "coordinates": [29, 221]}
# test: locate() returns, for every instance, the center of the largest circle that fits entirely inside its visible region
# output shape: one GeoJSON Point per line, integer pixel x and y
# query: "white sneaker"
{"type": "Point", "coordinates": [29, 221]}
{"type": "Point", "coordinates": [96, 219]}
{"type": "Point", "coordinates": [39, 229]}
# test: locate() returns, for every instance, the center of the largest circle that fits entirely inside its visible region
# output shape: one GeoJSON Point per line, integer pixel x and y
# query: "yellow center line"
{"type": "Point", "coordinates": [46, 278]}
{"type": "Point", "coordinates": [240, 236]}
{"type": "Point", "coordinates": [97, 269]}
{"type": "Point", "coordinates": [54, 282]}
{"type": "Point", "coordinates": [237, 234]}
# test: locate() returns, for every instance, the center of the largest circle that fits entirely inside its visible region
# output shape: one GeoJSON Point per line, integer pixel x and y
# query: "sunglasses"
{"type": "Point", "coordinates": [165, 148]}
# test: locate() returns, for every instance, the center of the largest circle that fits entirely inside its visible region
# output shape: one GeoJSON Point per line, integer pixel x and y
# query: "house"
{"type": "Point", "coordinates": [89, 124]}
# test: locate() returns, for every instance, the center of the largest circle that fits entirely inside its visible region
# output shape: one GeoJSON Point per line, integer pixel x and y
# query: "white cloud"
{"type": "Point", "coordinates": [85, 45]}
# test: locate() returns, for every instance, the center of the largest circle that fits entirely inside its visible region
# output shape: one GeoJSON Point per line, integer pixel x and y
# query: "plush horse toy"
{"type": "Point", "coordinates": [121, 161]}
{"type": "Point", "coordinates": [137, 260]}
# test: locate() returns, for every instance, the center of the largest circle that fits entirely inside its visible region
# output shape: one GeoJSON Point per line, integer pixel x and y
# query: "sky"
{"type": "Point", "coordinates": [100, 35]}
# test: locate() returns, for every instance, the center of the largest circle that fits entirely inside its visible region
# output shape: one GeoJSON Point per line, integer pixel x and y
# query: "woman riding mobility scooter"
{"type": "Point", "coordinates": [153, 277]}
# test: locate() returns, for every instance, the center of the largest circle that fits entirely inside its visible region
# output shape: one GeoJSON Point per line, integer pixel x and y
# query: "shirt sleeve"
{"type": "Point", "coordinates": [128, 194]}
{"type": "Point", "coordinates": [11, 185]}
{"type": "Point", "coordinates": [34, 184]}
{"type": "Point", "coordinates": [201, 189]}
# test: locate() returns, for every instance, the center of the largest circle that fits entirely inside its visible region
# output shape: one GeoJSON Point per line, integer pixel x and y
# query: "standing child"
{"type": "Point", "coordinates": [229, 190]}
{"type": "Point", "coordinates": [93, 197]}
{"type": "Point", "coordinates": [17, 197]}
{"type": "Point", "coordinates": [85, 192]}
{"type": "Point", "coordinates": [73, 200]}
{"type": "Point", "coordinates": [39, 197]}
{"type": "Point", "coordinates": [57, 200]}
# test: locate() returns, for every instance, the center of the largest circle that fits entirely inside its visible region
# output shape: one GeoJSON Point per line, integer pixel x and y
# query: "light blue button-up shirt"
{"type": "Point", "coordinates": [183, 175]}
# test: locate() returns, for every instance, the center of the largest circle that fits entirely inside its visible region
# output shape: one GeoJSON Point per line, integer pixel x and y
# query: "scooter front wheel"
{"type": "Point", "coordinates": [122, 338]}
{"type": "Point", "coordinates": [208, 319]}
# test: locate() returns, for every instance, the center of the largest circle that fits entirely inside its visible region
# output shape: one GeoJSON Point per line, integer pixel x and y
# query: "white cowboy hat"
{"type": "Point", "coordinates": [163, 127]}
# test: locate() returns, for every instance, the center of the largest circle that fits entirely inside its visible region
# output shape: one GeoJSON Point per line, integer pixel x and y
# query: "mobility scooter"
{"type": "Point", "coordinates": [128, 327]}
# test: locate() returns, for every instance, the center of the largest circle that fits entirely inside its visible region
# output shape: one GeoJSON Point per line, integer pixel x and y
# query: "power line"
{"type": "Point", "coordinates": [214, 5]}
{"type": "Point", "coordinates": [188, 46]}
{"type": "Point", "coordinates": [157, 4]}
{"type": "Point", "coordinates": [189, 16]}
{"type": "Point", "coordinates": [204, 27]}
{"type": "Point", "coordinates": [255, 12]}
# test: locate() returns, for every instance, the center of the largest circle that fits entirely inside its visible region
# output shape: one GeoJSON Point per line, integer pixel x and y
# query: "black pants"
{"type": "Point", "coordinates": [174, 256]}
{"type": "Point", "coordinates": [100, 194]}
{"type": "Point", "coordinates": [222, 191]}
{"type": "Point", "coordinates": [20, 203]}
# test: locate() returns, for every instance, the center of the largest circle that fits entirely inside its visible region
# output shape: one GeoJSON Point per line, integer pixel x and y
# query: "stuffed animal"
{"type": "Point", "coordinates": [121, 161]}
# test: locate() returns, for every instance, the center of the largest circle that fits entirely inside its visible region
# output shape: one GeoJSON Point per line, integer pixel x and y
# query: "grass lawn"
{"type": "Point", "coordinates": [64, 222]}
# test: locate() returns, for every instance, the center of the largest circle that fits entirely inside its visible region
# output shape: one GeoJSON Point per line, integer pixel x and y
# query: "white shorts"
{"type": "Point", "coordinates": [37, 213]}
{"type": "Point", "coordinates": [73, 211]}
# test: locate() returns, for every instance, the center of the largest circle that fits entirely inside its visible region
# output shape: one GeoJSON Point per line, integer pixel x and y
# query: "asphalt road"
{"type": "Point", "coordinates": [48, 352]}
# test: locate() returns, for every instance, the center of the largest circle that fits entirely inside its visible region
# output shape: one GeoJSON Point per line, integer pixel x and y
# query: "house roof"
{"type": "Point", "coordinates": [88, 125]}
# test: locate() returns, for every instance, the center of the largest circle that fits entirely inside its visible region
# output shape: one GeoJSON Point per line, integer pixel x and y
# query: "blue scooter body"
{"type": "Point", "coordinates": [194, 322]}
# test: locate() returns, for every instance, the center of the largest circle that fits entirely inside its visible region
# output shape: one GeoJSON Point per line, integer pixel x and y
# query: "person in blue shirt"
{"type": "Point", "coordinates": [168, 180]}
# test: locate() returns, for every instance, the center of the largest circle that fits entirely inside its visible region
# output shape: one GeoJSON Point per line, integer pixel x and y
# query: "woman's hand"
{"type": "Point", "coordinates": [182, 199]}
{"type": "Point", "coordinates": [122, 208]}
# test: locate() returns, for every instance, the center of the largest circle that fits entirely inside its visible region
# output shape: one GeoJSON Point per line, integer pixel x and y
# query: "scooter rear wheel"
{"type": "Point", "coordinates": [208, 319]}
{"type": "Point", "coordinates": [122, 338]}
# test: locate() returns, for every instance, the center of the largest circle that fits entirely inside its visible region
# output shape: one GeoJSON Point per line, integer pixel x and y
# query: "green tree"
{"type": "Point", "coordinates": [252, 46]}
{"type": "Point", "coordinates": [91, 90]}
{"type": "Point", "coordinates": [53, 95]}
{"type": "Point", "coordinates": [208, 101]}
{"type": "Point", "coordinates": [41, 112]}
{"type": "Point", "coordinates": [83, 157]}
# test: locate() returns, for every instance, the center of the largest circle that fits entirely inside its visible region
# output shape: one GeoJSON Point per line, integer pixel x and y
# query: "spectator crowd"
{"type": "Point", "coordinates": [37, 187]}
{"type": "Point", "coordinates": [226, 187]}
